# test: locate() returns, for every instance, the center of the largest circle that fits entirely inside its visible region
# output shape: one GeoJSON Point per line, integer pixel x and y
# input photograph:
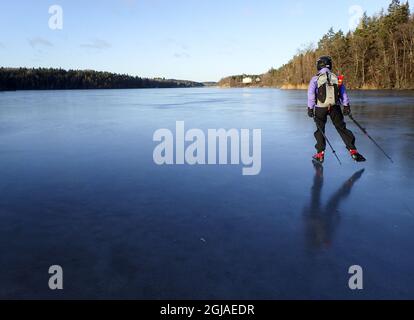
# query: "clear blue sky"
{"type": "Point", "coordinates": [185, 39]}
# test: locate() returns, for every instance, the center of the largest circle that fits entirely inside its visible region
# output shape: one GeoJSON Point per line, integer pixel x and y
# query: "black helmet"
{"type": "Point", "coordinates": [324, 62]}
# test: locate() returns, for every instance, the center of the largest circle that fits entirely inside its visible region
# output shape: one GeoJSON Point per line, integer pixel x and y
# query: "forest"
{"type": "Point", "coordinates": [379, 54]}
{"type": "Point", "coordinates": [58, 79]}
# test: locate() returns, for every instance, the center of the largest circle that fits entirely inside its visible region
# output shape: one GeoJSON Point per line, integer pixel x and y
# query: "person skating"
{"type": "Point", "coordinates": [325, 97]}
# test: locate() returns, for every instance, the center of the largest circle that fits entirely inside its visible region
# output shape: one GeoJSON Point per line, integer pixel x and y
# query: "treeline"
{"type": "Point", "coordinates": [59, 79]}
{"type": "Point", "coordinates": [379, 54]}
{"type": "Point", "coordinates": [237, 81]}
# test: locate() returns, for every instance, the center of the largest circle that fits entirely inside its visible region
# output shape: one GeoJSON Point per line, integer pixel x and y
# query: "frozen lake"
{"type": "Point", "coordinates": [79, 188]}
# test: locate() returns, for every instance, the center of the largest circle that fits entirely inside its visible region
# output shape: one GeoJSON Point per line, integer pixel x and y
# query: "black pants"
{"type": "Point", "coordinates": [337, 117]}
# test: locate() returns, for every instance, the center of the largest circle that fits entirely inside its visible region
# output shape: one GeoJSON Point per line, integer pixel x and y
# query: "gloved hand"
{"type": "Point", "coordinates": [347, 111]}
{"type": "Point", "coordinates": [311, 113]}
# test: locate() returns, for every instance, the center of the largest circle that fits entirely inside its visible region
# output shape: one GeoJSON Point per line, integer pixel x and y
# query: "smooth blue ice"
{"type": "Point", "coordinates": [79, 188]}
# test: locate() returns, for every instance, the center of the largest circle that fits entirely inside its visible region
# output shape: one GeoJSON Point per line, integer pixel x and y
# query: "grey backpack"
{"type": "Point", "coordinates": [328, 90]}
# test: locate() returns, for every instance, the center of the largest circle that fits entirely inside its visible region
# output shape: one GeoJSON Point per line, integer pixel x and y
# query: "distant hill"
{"type": "Point", "coordinates": [58, 79]}
{"type": "Point", "coordinates": [210, 84]}
{"type": "Point", "coordinates": [379, 54]}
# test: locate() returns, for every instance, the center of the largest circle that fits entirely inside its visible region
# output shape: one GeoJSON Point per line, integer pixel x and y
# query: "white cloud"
{"type": "Point", "coordinates": [177, 44]}
{"type": "Point", "coordinates": [181, 55]}
{"type": "Point", "coordinates": [39, 42]}
{"type": "Point", "coordinates": [97, 44]}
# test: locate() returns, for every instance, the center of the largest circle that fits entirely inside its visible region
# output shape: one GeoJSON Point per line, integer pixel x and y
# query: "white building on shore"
{"type": "Point", "coordinates": [247, 80]}
{"type": "Point", "coordinates": [250, 80]}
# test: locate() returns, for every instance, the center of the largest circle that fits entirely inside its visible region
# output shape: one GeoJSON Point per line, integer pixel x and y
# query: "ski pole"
{"type": "Point", "coordinates": [372, 139]}
{"type": "Point", "coordinates": [327, 140]}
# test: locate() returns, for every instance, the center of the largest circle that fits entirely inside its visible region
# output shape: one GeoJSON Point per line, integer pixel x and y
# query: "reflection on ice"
{"type": "Point", "coordinates": [322, 221]}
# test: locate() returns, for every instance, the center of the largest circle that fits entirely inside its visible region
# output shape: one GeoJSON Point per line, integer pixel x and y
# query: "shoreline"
{"type": "Point", "coordinates": [285, 88]}
{"type": "Point", "coordinates": [305, 87]}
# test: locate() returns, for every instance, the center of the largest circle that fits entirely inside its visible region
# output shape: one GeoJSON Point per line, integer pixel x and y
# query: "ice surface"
{"type": "Point", "coordinates": [79, 188]}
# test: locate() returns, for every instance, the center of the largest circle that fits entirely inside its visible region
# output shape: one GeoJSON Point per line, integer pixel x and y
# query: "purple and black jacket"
{"type": "Point", "coordinates": [313, 91]}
